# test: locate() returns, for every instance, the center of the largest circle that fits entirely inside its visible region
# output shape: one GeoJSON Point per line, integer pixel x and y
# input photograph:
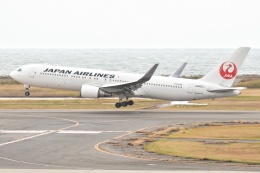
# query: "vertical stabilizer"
{"type": "Point", "coordinates": [225, 73]}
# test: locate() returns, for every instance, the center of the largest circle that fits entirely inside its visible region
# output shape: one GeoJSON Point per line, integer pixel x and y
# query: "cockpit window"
{"type": "Point", "coordinates": [19, 69]}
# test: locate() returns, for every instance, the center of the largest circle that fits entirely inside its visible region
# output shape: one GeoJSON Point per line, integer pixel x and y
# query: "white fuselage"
{"type": "Point", "coordinates": [158, 87]}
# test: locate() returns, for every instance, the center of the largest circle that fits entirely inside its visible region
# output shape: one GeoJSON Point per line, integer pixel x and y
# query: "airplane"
{"type": "Point", "coordinates": [94, 83]}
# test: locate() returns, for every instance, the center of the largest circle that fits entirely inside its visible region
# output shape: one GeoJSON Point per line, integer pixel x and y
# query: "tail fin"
{"type": "Point", "coordinates": [225, 73]}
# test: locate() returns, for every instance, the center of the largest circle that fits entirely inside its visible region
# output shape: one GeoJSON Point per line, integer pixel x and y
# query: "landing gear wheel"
{"type": "Point", "coordinates": [130, 102]}
{"type": "Point", "coordinates": [124, 104]}
{"type": "Point", "coordinates": [27, 93]}
{"type": "Point", "coordinates": [118, 105]}
{"type": "Point", "coordinates": [26, 87]}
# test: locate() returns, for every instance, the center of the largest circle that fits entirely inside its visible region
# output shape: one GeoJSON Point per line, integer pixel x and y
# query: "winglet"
{"type": "Point", "coordinates": [148, 75]}
{"type": "Point", "coordinates": [178, 72]}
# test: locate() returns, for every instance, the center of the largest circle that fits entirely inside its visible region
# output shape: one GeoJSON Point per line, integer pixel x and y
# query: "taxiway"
{"type": "Point", "coordinates": [66, 139]}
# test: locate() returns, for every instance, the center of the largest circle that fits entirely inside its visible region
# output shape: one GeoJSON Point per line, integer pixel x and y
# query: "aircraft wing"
{"type": "Point", "coordinates": [178, 72]}
{"type": "Point", "coordinates": [130, 86]}
{"type": "Point", "coordinates": [226, 89]}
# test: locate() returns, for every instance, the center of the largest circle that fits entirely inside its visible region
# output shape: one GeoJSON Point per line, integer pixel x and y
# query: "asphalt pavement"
{"type": "Point", "coordinates": [66, 139]}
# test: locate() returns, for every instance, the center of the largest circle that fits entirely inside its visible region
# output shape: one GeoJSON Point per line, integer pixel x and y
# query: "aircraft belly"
{"type": "Point", "coordinates": [174, 94]}
{"type": "Point", "coordinates": [162, 93]}
{"type": "Point", "coordinates": [54, 83]}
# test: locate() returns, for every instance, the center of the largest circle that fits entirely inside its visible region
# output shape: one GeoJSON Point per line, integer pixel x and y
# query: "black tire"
{"type": "Point", "coordinates": [130, 102]}
{"type": "Point", "coordinates": [118, 105]}
{"type": "Point", "coordinates": [124, 104]}
{"type": "Point", "coordinates": [27, 93]}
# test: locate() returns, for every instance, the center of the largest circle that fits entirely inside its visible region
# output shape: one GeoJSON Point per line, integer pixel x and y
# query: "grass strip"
{"type": "Point", "coordinates": [233, 132]}
{"type": "Point", "coordinates": [74, 104]}
{"type": "Point", "coordinates": [229, 143]}
{"type": "Point", "coordinates": [233, 152]}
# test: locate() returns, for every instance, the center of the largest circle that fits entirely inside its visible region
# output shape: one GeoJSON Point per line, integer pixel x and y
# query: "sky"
{"type": "Point", "coordinates": [129, 23]}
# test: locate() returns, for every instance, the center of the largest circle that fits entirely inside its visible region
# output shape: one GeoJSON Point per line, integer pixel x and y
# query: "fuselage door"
{"type": "Point", "coordinates": [32, 72]}
{"type": "Point", "coordinates": [190, 88]}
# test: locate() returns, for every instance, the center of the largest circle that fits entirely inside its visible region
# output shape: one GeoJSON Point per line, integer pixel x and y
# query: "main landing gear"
{"type": "Point", "coordinates": [124, 104]}
{"type": "Point", "coordinates": [27, 92]}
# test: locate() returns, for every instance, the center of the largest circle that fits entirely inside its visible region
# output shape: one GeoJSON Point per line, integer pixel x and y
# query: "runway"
{"type": "Point", "coordinates": [66, 139]}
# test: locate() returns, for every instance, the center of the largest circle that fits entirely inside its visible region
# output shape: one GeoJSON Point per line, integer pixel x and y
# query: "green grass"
{"type": "Point", "coordinates": [18, 91]}
{"type": "Point", "coordinates": [233, 152]}
{"type": "Point", "coordinates": [74, 104]}
{"type": "Point", "coordinates": [182, 143]}
{"type": "Point", "coordinates": [241, 97]}
{"type": "Point", "coordinates": [248, 100]}
{"type": "Point", "coordinates": [8, 82]}
{"type": "Point", "coordinates": [250, 84]}
{"type": "Point", "coordinates": [232, 132]}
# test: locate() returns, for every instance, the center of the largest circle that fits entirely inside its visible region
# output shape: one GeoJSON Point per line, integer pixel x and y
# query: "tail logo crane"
{"type": "Point", "coordinates": [228, 70]}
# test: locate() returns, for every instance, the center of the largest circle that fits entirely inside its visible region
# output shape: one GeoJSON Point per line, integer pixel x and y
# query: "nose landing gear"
{"type": "Point", "coordinates": [27, 92]}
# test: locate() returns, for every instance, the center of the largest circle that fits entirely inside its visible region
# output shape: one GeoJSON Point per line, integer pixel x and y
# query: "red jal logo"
{"type": "Point", "coordinates": [228, 70]}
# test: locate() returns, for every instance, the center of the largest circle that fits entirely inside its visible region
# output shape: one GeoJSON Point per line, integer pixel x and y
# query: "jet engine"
{"type": "Point", "coordinates": [89, 91]}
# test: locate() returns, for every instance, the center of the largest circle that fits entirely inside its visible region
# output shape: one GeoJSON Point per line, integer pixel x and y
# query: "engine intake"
{"type": "Point", "coordinates": [89, 91]}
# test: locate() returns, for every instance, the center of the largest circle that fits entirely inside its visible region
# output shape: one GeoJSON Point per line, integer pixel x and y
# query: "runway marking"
{"type": "Point", "coordinates": [43, 133]}
{"type": "Point", "coordinates": [23, 131]}
{"type": "Point", "coordinates": [58, 131]}
{"type": "Point", "coordinates": [22, 139]}
{"type": "Point", "coordinates": [38, 164]}
{"type": "Point", "coordinates": [78, 132]}
{"type": "Point", "coordinates": [112, 121]}
{"type": "Point", "coordinates": [97, 146]}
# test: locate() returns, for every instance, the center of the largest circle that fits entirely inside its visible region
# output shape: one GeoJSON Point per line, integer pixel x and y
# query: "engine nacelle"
{"type": "Point", "coordinates": [89, 91]}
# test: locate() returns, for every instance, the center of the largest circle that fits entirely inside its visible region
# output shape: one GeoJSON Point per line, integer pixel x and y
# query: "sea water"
{"type": "Point", "coordinates": [200, 61]}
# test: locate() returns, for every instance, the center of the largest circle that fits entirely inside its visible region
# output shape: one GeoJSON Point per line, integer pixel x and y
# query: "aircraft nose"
{"type": "Point", "coordinates": [13, 74]}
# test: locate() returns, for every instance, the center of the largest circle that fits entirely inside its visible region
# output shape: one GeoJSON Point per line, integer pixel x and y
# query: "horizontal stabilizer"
{"type": "Point", "coordinates": [226, 89]}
